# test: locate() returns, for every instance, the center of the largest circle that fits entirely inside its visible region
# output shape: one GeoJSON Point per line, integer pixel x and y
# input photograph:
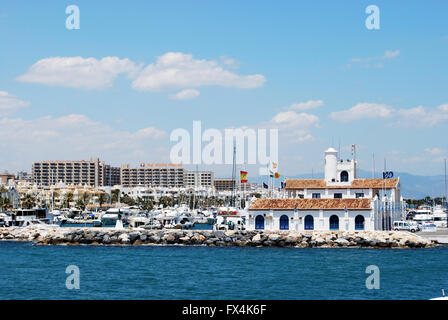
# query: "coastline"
{"type": "Point", "coordinates": [135, 237]}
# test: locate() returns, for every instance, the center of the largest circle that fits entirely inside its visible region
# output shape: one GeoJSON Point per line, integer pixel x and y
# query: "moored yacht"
{"type": "Point", "coordinates": [111, 216]}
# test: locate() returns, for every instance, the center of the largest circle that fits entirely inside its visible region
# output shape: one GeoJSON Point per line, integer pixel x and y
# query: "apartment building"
{"type": "Point", "coordinates": [5, 177]}
{"type": "Point", "coordinates": [225, 184]}
{"type": "Point", "coordinates": [153, 175]}
{"type": "Point", "coordinates": [199, 179]}
{"type": "Point", "coordinates": [23, 176]}
{"type": "Point", "coordinates": [92, 173]}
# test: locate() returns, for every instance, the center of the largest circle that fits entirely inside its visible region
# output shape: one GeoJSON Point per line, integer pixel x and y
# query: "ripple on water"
{"type": "Point", "coordinates": [174, 272]}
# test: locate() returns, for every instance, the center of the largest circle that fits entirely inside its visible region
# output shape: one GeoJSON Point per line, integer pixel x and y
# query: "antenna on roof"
{"type": "Point", "coordinates": [339, 149]}
{"type": "Point", "coordinates": [446, 192]}
{"type": "Point", "coordinates": [354, 151]}
{"type": "Point", "coordinates": [373, 165]}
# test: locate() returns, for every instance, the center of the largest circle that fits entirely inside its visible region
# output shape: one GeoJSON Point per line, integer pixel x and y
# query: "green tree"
{"type": "Point", "coordinates": [3, 190]}
{"type": "Point", "coordinates": [85, 197]}
{"type": "Point", "coordinates": [28, 201]}
{"type": "Point", "coordinates": [80, 204]}
{"type": "Point", "coordinates": [127, 200]}
{"type": "Point", "coordinates": [166, 201]}
{"type": "Point", "coordinates": [114, 195]}
{"type": "Point", "coordinates": [102, 198]}
{"type": "Point", "coordinates": [68, 198]}
{"type": "Point", "coordinates": [5, 203]}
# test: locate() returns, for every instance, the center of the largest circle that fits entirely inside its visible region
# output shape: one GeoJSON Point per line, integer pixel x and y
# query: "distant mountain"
{"type": "Point", "coordinates": [412, 186]}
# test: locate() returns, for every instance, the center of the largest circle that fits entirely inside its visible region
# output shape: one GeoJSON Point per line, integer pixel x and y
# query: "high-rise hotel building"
{"type": "Point", "coordinates": [96, 173]}
{"type": "Point", "coordinates": [153, 175]}
{"type": "Point", "coordinates": [199, 179]}
{"type": "Point", "coordinates": [92, 173]}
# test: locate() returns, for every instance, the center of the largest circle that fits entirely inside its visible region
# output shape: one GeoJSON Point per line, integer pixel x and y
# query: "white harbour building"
{"type": "Point", "coordinates": [340, 201]}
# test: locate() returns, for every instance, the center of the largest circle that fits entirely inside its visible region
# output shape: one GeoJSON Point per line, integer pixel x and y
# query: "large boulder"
{"type": "Point", "coordinates": [274, 237]}
{"type": "Point", "coordinates": [342, 242]}
{"type": "Point", "coordinates": [124, 238]}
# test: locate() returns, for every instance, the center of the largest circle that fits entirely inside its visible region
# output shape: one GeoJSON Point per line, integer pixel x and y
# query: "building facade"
{"type": "Point", "coordinates": [199, 179]}
{"type": "Point", "coordinates": [340, 201]}
{"type": "Point", "coordinates": [225, 184]}
{"type": "Point", "coordinates": [92, 173]}
{"type": "Point", "coordinates": [158, 175]}
{"type": "Point", "coordinates": [6, 177]}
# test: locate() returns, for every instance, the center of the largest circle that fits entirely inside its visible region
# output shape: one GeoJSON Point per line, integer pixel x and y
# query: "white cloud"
{"type": "Point", "coordinates": [391, 54]}
{"type": "Point", "coordinates": [78, 72]}
{"type": "Point", "coordinates": [74, 136]}
{"type": "Point", "coordinates": [176, 70]}
{"type": "Point", "coordinates": [293, 119]}
{"type": "Point", "coordinates": [361, 111]}
{"type": "Point", "coordinates": [294, 127]}
{"type": "Point", "coordinates": [10, 104]}
{"type": "Point", "coordinates": [423, 117]}
{"type": "Point", "coordinates": [186, 94]}
{"type": "Point", "coordinates": [416, 117]}
{"type": "Point", "coordinates": [308, 105]}
{"type": "Point", "coordinates": [376, 61]}
{"type": "Point", "coordinates": [435, 151]}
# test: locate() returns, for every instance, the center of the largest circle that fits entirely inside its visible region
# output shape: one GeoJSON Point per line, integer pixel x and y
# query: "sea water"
{"type": "Point", "coordinates": [195, 272]}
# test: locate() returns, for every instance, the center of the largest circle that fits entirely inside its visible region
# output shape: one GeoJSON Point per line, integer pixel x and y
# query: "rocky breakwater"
{"type": "Point", "coordinates": [111, 236]}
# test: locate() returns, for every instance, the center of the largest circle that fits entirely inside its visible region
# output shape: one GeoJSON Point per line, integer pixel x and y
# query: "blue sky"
{"type": "Point", "coordinates": [383, 90]}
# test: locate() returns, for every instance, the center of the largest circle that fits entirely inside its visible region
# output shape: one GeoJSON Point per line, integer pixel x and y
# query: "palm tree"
{"type": "Point", "coordinates": [85, 198]}
{"type": "Point", "coordinates": [148, 205]}
{"type": "Point", "coordinates": [166, 201]}
{"type": "Point", "coordinates": [80, 204]}
{"type": "Point", "coordinates": [28, 201]}
{"type": "Point", "coordinates": [114, 195]}
{"type": "Point", "coordinates": [68, 198]}
{"type": "Point", "coordinates": [102, 198]}
{"type": "Point", "coordinates": [5, 203]}
{"type": "Point", "coordinates": [3, 190]}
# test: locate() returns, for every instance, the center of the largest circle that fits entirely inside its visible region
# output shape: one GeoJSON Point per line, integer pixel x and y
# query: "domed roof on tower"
{"type": "Point", "coordinates": [331, 150]}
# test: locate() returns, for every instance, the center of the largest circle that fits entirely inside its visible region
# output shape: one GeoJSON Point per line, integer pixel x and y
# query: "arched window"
{"type": "Point", "coordinates": [359, 222]}
{"type": "Point", "coordinates": [309, 222]}
{"type": "Point", "coordinates": [334, 222]}
{"type": "Point", "coordinates": [284, 222]}
{"type": "Point", "coordinates": [259, 222]}
{"type": "Point", "coordinates": [344, 176]}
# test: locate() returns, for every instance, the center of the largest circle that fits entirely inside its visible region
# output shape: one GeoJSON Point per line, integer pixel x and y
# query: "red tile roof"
{"type": "Point", "coordinates": [310, 204]}
{"type": "Point", "coordinates": [299, 184]}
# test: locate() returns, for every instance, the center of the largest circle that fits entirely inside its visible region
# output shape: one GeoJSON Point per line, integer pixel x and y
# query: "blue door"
{"type": "Point", "coordinates": [259, 222]}
{"type": "Point", "coordinates": [284, 222]}
{"type": "Point", "coordinates": [334, 223]}
{"type": "Point", "coordinates": [309, 222]}
{"type": "Point", "coordinates": [359, 223]}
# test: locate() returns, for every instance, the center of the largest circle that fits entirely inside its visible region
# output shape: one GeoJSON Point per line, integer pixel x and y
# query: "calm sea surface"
{"type": "Point", "coordinates": [174, 272]}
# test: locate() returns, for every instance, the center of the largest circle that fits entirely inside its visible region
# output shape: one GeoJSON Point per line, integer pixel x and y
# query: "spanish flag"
{"type": "Point", "coordinates": [243, 176]}
{"type": "Point", "coordinates": [277, 175]}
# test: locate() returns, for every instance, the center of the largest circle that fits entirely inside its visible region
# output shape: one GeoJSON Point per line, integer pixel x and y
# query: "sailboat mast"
{"type": "Point", "coordinates": [446, 190]}
{"type": "Point", "coordinates": [232, 200]}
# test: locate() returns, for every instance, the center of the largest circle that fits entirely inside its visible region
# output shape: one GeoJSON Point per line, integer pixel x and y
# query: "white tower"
{"type": "Point", "coordinates": [331, 161]}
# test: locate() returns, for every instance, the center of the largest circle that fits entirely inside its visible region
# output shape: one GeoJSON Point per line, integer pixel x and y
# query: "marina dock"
{"type": "Point", "coordinates": [440, 236]}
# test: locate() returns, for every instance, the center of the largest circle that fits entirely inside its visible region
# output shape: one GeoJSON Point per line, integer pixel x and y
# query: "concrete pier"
{"type": "Point", "coordinates": [440, 236]}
